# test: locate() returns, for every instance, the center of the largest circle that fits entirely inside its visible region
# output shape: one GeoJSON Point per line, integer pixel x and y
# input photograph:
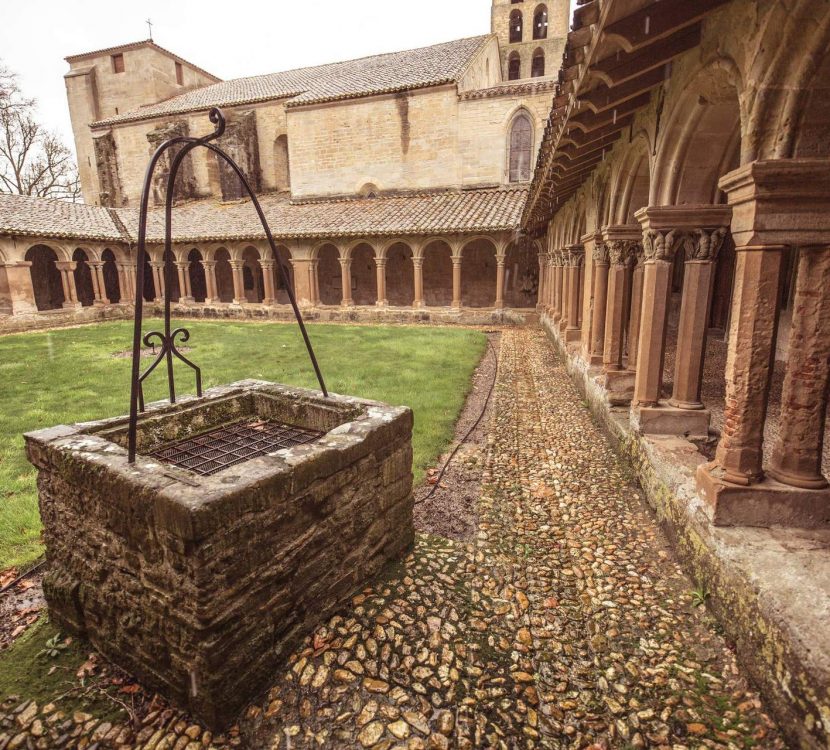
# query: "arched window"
{"type": "Point", "coordinates": [514, 67]}
{"type": "Point", "coordinates": [540, 23]}
{"type": "Point", "coordinates": [537, 69]}
{"type": "Point", "coordinates": [516, 24]}
{"type": "Point", "coordinates": [521, 142]}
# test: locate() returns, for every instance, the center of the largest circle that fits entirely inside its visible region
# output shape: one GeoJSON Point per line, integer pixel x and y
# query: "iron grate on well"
{"type": "Point", "coordinates": [233, 444]}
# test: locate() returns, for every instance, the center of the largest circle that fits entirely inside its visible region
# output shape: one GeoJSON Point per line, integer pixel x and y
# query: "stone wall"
{"type": "Point", "coordinates": [200, 585]}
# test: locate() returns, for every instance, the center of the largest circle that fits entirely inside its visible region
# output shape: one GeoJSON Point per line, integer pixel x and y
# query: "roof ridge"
{"type": "Point", "coordinates": [135, 45]}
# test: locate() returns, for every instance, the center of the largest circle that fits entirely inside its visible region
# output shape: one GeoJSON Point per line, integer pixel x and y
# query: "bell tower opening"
{"type": "Point", "coordinates": [531, 30]}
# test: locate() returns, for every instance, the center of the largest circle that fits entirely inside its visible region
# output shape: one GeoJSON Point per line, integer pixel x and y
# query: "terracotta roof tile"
{"type": "Point", "coordinates": [467, 211]}
{"type": "Point", "coordinates": [395, 71]}
{"type": "Point", "coordinates": [45, 217]}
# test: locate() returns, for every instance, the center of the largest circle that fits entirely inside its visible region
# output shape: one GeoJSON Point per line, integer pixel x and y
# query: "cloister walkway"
{"type": "Point", "coordinates": [564, 622]}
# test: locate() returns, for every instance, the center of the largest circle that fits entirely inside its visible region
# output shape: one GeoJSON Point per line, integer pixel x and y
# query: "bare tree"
{"type": "Point", "coordinates": [33, 161]}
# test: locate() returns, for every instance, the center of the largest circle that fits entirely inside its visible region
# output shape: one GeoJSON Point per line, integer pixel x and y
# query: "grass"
{"type": "Point", "coordinates": [71, 375]}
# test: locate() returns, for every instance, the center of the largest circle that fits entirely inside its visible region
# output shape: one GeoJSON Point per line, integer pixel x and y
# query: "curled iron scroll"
{"type": "Point", "coordinates": [167, 337]}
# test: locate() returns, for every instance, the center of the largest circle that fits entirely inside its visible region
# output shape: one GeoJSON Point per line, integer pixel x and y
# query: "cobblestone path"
{"type": "Point", "coordinates": [564, 623]}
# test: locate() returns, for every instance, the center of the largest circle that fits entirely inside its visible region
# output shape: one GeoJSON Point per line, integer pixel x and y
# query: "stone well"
{"type": "Point", "coordinates": [201, 584]}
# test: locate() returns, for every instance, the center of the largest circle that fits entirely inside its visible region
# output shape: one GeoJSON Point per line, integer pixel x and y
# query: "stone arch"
{"type": "Point", "coordinates": [112, 284]}
{"type": "Point", "coordinates": [537, 63]}
{"type": "Point", "coordinates": [253, 282]}
{"type": "Point", "coordinates": [171, 277]}
{"type": "Point", "coordinates": [196, 274]}
{"type": "Point", "coordinates": [149, 286]}
{"type": "Point", "coordinates": [283, 255]}
{"type": "Point", "coordinates": [520, 136]}
{"type": "Point", "coordinates": [364, 274]}
{"type": "Point", "coordinates": [400, 274]}
{"type": "Point", "coordinates": [437, 273]}
{"type": "Point", "coordinates": [224, 274]}
{"type": "Point", "coordinates": [84, 287]}
{"type": "Point", "coordinates": [633, 184]}
{"type": "Point", "coordinates": [478, 273]}
{"type": "Point", "coordinates": [775, 108]}
{"type": "Point", "coordinates": [521, 274]}
{"type": "Point", "coordinates": [700, 142]}
{"type": "Point", "coordinates": [329, 273]}
{"type": "Point", "coordinates": [516, 27]}
{"type": "Point", "coordinates": [282, 164]}
{"type": "Point", "coordinates": [540, 22]}
{"type": "Point", "coordinates": [46, 278]}
{"type": "Point", "coordinates": [514, 66]}
{"type": "Point", "coordinates": [812, 137]}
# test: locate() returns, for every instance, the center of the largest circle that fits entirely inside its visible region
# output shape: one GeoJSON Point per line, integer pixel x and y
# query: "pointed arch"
{"type": "Point", "coordinates": [520, 146]}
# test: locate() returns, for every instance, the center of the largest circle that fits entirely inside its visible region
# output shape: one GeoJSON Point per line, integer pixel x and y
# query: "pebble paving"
{"type": "Point", "coordinates": [564, 622]}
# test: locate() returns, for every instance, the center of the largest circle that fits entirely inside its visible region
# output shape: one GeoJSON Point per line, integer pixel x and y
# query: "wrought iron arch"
{"type": "Point", "coordinates": [167, 337]}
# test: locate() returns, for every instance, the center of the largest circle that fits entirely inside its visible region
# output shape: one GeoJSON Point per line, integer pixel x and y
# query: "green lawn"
{"type": "Point", "coordinates": [64, 376]}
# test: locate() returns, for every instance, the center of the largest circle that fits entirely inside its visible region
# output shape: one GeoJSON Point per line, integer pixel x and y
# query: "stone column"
{"type": "Point", "coordinates": [556, 286]}
{"type": "Point", "coordinates": [238, 282]}
{"type": "Point", "coordinates": [210, 282]}
{"type": "Point", "coordinates": [269, 298]}
{"type": "Point", "coordinates": [564, 291]}
{"type": "Point", "coordinates": [612, 354]}
{"type": "Point", "coordinates": [701, 255]}
{"type": "Point", "coordinates": [418, 270]}
{"type": "Point", "coordinates": [797, 454]}
{"type": "Point", "coordinates": [749, 362]}
{"type": "Point", "coordinates": [576, 259]}
{"type": "Point", "coordinates": [380, 266]}
{"type": "Point", "coordinates": [123, 282]}
{"type": "Point", "coordinates": [70, 293]}
{"type": "Point", "coordinates": [302, 281]}
{"type": "Point", "coordinates": [96, 272]}
{"type": "Point", "coordinates": [314, 281]}
{"type": "Point", "coordinates": [499, 303]}
{"type": "Point", "coordinates": [659, 249]}
{"type": "Point", "coordinates": [158, 278]}
{"type": "Point", "coordinates": [598, 312]}
{"type": "Point", "coordinates": [21, 291]}
{"type": "Point", "coordinates": [635, 308]}
{"type": "Point", "coordinates": [543, 281]}
{"type": "Point", "coordinates": [183, 269]}
{"type": "Point", "coordinates": [346, 282]}
{"type": "Point", "coordinates": [456, 282]}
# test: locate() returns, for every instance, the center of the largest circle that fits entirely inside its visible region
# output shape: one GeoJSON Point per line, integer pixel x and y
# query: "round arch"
{"type": "Point", "coordinates": [112, 283]}
{"type": "Point", "coordinates": [364, 274]}
{"type": "Point", "coordinates": [478, 272]}
{"type": "Point", "coordinates": [283, 256]}
{"type": "Point", "coordinates": [437, 272]}
{"type": "Point", "coordinates": [224, 274]}
{"type": "Point", "coordinates": [253, 282]}
{"type": "Point", "coordinates": [84, 287]}
{"type": "Point", "coordinates": [196, 274]}
{"type": "Point", "coordinates": [46, 278]}
{"type": "Point", "coordinates": [329, 273]}
{"type": "Point", "coordinates": [400, 274]}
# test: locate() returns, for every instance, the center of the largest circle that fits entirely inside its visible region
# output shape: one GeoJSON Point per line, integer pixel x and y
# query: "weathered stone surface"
{"type": "Point", "coordinates": [200, 585]}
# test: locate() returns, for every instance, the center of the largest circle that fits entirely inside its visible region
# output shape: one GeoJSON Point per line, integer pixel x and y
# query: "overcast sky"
{"type": "Point", "coordinates": [230, 39]}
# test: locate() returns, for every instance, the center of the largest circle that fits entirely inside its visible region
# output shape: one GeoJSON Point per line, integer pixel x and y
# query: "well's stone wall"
{"type": "Point", "coordinates": [200, 585]}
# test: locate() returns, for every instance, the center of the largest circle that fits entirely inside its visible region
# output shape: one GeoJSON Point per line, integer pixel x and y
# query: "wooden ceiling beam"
{"type": "Point", "coordinates": [604, 97]}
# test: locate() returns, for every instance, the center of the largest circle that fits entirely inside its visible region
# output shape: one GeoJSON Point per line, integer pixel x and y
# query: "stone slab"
{"type": "Point", "coordinates": [768, 503]}
{"type": "Point", "coordinates": [668, 420]}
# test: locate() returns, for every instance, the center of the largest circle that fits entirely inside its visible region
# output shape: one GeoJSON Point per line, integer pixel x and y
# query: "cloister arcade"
{"type": "Point", "coordinates": [687, 270]}
{"type": "Point", "coordinates": [482, 272]}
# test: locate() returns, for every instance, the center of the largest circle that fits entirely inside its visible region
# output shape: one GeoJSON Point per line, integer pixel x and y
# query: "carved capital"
{"type": "Point", "coordinates": [705, 244]}
{"type": "Point", "coordinates": [620, 251]}
{"type": "Point", "coordinates": [661, 245]}
{"type": "Point", "coordinates": [576, 256]}
{"type": "Point", "coordinates": [601, 253]}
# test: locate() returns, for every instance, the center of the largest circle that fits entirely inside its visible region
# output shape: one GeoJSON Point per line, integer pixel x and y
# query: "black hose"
{"type": "Point", "coordinates": [19, 578]}
{"type": "Point", "coordinates": [469, 432]}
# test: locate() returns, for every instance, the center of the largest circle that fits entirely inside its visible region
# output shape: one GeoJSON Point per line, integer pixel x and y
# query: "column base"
{"type": "Point", "coordinates": [594, 360]}
{"type": "Point", "coordinates": [620, 386]}
{"type": "Point", "coordinates": [767, 503]}
{"type": "Point", "coordinates": [347, 303]}
{"type": "Point", "coordinates": [70, 306]}
{"type": "Point", "coordinates": [187, 300]}
{"type": "Point", "coordinates": [382, 303]}
{"type": "Point", "coordinates": [573, 335]}
{"type": "Point", "coordinates": [667, 420]}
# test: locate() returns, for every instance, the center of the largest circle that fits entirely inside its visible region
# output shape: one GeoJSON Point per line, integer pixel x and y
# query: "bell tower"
{"type": "Point", "coordinates": [531, 36]}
